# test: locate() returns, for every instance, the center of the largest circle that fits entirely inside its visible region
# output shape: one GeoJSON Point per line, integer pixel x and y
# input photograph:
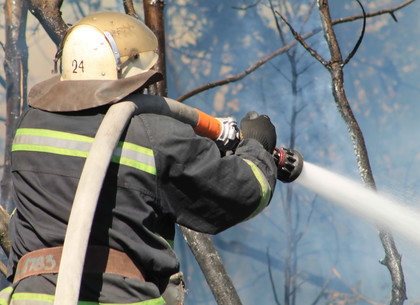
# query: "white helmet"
{"type": "Point", "coordinates": [107, 46]}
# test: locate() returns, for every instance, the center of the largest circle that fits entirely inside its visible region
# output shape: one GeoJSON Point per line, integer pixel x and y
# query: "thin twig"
{"type": "Point", "coordinates": [362, 34]}
{"type": "Point", "coordinates": [302, 41]}
{"type": "Point", "coordinates": [239, 76]}
{"type": "Point", "coordinates": [270, 274]}
{"type": "Point", "coordinates": [281, 73]}
{"type": "Point", "coordinates": [390, 11]}
{"type": "Point", "coordinates": [283, 49]}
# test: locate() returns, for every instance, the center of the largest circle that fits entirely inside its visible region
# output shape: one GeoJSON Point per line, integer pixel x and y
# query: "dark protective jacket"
{"type": "Point", "coordinates": [161, 174]}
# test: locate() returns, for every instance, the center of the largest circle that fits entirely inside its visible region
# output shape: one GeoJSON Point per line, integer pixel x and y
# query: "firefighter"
{"type": "Point", "coordinates": [162, 173]}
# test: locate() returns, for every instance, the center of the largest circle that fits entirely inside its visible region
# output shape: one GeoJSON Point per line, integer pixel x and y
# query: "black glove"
{"type": "Point", "coordinates": [260, 128]}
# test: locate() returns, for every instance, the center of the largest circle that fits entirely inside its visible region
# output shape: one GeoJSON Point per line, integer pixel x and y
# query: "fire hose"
{"type": "Point", "coordinates": [289, 164]}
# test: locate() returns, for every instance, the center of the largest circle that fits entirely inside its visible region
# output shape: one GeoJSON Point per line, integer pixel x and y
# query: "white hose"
{"type": "Point", "coordinates": [85, 202]}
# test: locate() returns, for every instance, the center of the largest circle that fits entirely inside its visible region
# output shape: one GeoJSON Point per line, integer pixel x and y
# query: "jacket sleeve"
{"type": "Point", "coordinates": [201, 189]}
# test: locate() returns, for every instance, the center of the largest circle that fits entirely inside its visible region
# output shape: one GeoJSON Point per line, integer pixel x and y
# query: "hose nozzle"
{"type": "Point", "coordinates": [289, 164]}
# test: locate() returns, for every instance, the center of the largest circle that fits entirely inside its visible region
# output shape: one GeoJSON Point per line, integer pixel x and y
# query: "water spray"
{"type": "Point", "coordinates": [362, 201]}
{"type": "Point", "coordinates": [353, 196]}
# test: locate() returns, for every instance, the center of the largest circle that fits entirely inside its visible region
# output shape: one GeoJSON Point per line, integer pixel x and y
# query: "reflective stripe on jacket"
{"type": "Point", "coordinates": [68, 144]}
{"type": "Point", "coordinates": [7, 297]}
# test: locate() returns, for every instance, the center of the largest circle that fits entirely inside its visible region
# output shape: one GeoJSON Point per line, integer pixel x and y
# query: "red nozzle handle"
{"type": "Point", "coordinates": [289, 164]}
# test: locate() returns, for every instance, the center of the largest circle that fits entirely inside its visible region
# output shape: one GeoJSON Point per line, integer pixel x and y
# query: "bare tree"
{"type": "Point", "coordinates": [293, 234]}
{"type": "Point", "coordinates": [280, 51]}
{"type": "Point", "coordinates": [16, 68]}
{"type": "Point", "coordinates": [335, 66]}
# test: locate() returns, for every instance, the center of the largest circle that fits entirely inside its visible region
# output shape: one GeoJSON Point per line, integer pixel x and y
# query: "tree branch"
{"type": "Point", "coordinates": [359, 41]}
{"type": "Point", "coordinates": [272, 281]}
{"type": "Point", "coordinates": [285, 48]}
{"type": "Point", "coordinates": [389, 11]}
{"type": "Point", "coordinates": [129, 8]}
{"type": "Point", "coordinates": [241, 75]}
{"type": "Point", "coordinates": [49, 15]}
{"type": "Point", "coordinates": [302, 41]}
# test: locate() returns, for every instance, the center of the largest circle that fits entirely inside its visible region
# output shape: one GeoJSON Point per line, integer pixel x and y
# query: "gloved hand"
{"type": "Point", "coordinates": [260, 128]}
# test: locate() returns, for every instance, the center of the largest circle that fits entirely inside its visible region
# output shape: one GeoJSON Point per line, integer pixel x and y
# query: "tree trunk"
{"type": "Point", "coordinates": [212, 266]}
{"type": "Point", "coordinates": [16, 69]}
{"type": "Point", "coordinates": [200, 244]}
{"type": "Point", "coordinates": [154, 18]}
{"type": "Point", "coordinates": [392, 258]}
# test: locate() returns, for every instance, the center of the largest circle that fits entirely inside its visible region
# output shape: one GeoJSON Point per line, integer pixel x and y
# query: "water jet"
{"type": "Point", "coordinates": [354, 197]}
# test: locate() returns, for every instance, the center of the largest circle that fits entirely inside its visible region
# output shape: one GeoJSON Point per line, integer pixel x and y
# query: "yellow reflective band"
{"type": "Point", "coordinates": [53, 134]}
{"type": "Point", "coordinates": [133, 163]}
{"type": "Point", "coordinates": [49, 299]}
{"type": "Point", "coordinates": [6, 290]}
{"type": "Point", "coordinates": [125, 153]}
{"type": "Point", "coordinates": [26, 296]}
{"type": "Point", "coordinates": [137, 148]}
{"type": "Point", "coordinates": [5, 295]}
{"type": "Point", "coordinates": [68, 144]}
{"type": "Point", "coordinates": [50, 149]}
{"type": "Point", "coordinates": [169, 242]}
{"type": "Point", "coordinates": [265, 189]}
